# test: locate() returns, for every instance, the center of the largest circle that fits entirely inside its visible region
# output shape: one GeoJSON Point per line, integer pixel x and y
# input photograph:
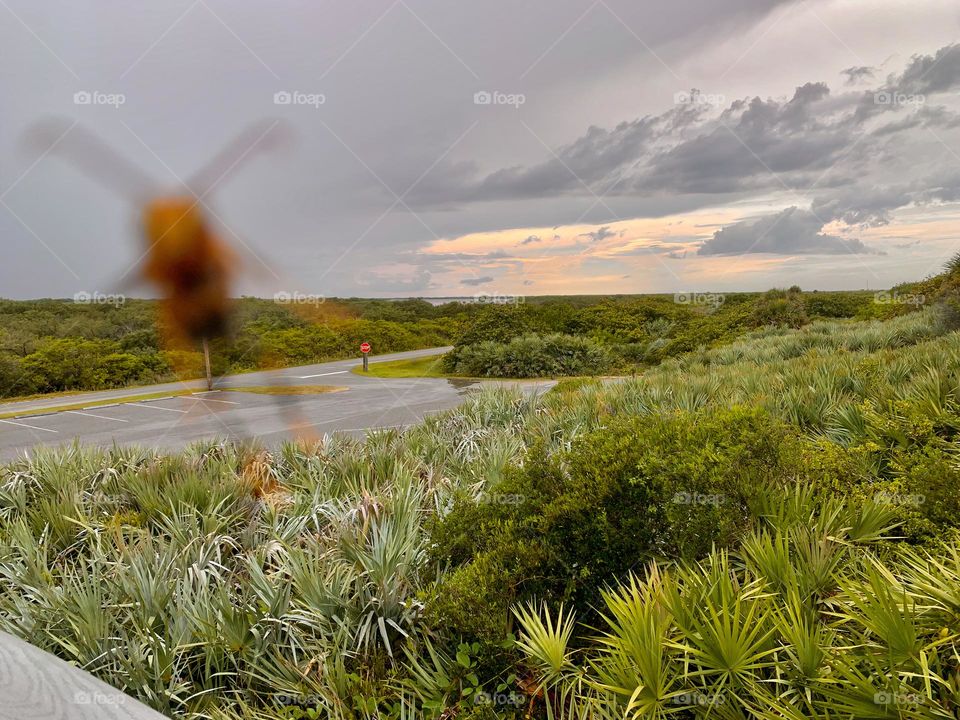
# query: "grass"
{"type": "Point", "coordinates": [286, 389]}
{"type": "Point", "coordinates": [430, 367]}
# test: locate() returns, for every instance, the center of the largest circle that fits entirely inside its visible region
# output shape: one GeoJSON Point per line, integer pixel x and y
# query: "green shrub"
{"type": "Point", "coordinates": [75, 364]}
{"type": "Point", "coordinates": [928, 493]}
{"type": "Point", "coordinates": [783, 309]}
{"type": "Point", "coordinates": [498, 323]}
{"type": "Point", "coordinates": [660, 486]}
{"type": "Point", "coordinates": [530, 356]}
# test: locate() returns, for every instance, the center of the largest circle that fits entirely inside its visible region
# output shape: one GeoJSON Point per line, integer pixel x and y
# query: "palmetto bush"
{"type": "Point", "coordinates": [805, 621]}
{"type": "Point", "coordinates": [226, 581]}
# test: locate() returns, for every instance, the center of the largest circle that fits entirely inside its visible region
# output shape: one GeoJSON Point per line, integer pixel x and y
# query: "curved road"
{"type": "Point", "coordinates": [174, 422]}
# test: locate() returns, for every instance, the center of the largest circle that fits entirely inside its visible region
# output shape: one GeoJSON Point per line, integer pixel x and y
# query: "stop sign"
{"type": "Point", "coordinates": [365, 348]}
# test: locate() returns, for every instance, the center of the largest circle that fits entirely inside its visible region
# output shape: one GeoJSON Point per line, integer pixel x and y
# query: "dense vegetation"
{"type": "Point", "coordinates": [765, 528]}
{"type": "Point", "coordinates": [561, 337]}
{"type": "Point", "coordinates": [53, 345]}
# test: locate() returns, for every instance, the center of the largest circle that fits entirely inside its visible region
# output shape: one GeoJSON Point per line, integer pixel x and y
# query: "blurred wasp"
{"type": "Point", "coordinates": [191, 267]}
{"type": "Point", "coordinates": [184, 258]}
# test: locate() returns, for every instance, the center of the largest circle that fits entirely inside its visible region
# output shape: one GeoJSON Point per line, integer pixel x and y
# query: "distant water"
{"type": "Point", "coordinates": [443, 300]}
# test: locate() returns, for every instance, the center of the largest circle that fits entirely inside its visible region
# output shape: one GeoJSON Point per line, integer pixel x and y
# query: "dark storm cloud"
{"type": "Point", "coordinates": [924, 76]}
{"type": "Point", "coordinates": [790, 232]}
{"type": "Point", "coordinates": [813, 142]}
{"type": "Point", "coordinates": [871, 205]}
{"type": "Point", "coordinates": [929, 74]}
{"type": "Point", "coordinates": [474, 282]}
{"type": "Point", "coordinates": [586, 161]}
{"type": "Point", "coordinates": [754, 142]}
{"type": "Point", "coordinates": [859, 72]}
{"type": "Point", "coordinates": [530, 239]}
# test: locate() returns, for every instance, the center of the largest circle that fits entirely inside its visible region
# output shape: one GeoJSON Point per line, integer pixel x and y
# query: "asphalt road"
{"type": "Point", "coordinates": [174, 422]}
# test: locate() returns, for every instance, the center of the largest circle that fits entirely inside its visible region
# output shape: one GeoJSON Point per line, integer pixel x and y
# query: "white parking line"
{"type": "Point", "coordinates": [228, 402]}
{"type": "Point", "coordinates": [102, 417]}
{"type": "Point", "coordinates": [307, 377]}
{"type": "Point", "coordinates": [154, 407]}
{"type": "Point", "coordinates": [32, 427]}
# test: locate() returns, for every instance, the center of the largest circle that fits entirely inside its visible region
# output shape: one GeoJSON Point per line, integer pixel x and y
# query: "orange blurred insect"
{"type": "Point", "coordinates": [192, 268]}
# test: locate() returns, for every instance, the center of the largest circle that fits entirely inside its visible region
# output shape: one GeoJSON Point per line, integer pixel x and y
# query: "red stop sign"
{"type": "Point", "coordinates": [365, 348]}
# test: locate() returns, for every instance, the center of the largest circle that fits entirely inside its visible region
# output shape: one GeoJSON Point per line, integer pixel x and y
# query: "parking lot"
{"type": "Point", "coordinates": [176, 421]}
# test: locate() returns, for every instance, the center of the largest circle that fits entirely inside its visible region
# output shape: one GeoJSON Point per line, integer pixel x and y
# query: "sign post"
{"type": "Point", "coordinates": [365, 349]}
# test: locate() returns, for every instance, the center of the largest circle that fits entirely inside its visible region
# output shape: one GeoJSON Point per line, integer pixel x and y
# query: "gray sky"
{"type": "Point", "coordinates": [627, 146]}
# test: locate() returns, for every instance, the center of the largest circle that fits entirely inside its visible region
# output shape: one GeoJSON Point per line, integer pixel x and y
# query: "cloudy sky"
{"type": "Point", "coordinates": [437, 148]}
